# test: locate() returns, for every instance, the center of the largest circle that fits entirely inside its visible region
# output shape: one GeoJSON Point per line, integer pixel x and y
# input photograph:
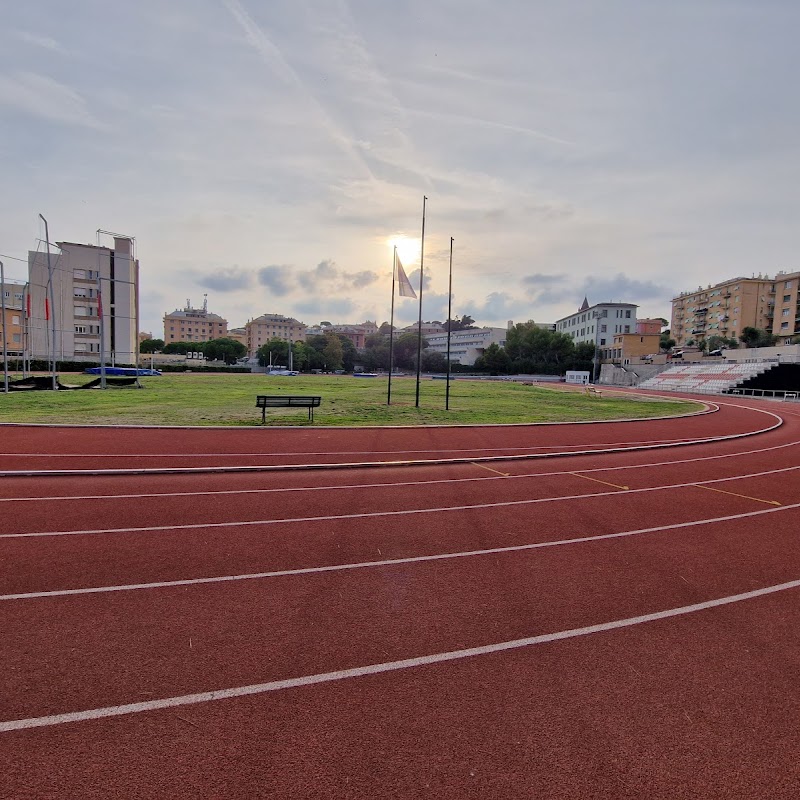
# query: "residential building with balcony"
{"type": "Point", "coordinates": [786, 308]}
{"type": "Point", "coordinates": [14, 322]}
{"type": "Point", "coordinates": [726, 308]}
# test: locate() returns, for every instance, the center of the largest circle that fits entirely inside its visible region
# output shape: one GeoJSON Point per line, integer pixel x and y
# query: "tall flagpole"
{"type": "Point", "coordinates": [449, 326]}
{"type": "Point", "coordinates": [419, 329]}
{"type": "Point", "coordinates": [391, 329]}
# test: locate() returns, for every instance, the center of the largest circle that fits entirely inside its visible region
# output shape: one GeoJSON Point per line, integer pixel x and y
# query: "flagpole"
{"type": "Point", "coordinates": [391, 329]}
{"type": "Point", "coordinates": [419, 328]}
{"type": "Point", "coordinates": [449, 326]}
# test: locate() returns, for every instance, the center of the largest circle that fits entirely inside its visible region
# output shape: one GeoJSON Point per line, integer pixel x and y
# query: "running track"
{"type": "Point", "coordinates": [560, 611]}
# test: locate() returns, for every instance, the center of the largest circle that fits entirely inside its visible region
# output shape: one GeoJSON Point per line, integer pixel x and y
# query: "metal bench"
{"type": "Point", "coordinates": [265, 401]}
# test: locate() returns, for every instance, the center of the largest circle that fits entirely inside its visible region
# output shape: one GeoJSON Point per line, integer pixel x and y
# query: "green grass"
{"type": "Point", "coordinates": [194, 399]}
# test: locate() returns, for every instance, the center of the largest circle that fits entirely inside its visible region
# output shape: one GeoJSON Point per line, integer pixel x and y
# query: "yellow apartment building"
{"type": "Point", "coordinates": [725, 309]}
{"type": "Point", "coordinates": [273, 326]}
{"type": "Point", "coordinates": [194, 325]}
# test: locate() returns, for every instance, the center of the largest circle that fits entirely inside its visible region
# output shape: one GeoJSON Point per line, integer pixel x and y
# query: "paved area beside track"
{"type": "Point", "coordinates": [614, 620]}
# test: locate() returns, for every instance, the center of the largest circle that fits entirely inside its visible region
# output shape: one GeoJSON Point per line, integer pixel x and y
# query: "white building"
{"type": "Point", "coordinates": [466, 346]}
{"type": "Point", "coordinates": [79, 271]}
{"type": "Point", "coordinates": [599, 323]}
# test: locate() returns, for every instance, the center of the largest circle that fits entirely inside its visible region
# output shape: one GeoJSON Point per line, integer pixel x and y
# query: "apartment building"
{"type": "Point", "coordinates": [599, 323]}
{"type": "Point", "coordinates": [465, 346]}
{"type": "Point", "coordinates": [193, 324]}
{"type": "Point", "coordinates": [649, 326]}
{"type": "Point", "coordinates": [357, 333]}
{"type": "Point", "coordinates": [93, 287]}
{"type": "Point", "coordinates": [238, 335]}
{"type": "Point", "coordinates": [14, 320]}
{"type": "Point", "coordinates": [726, 308]}
{"type": "Point", "coordinates": [273, 326]}
{"type": "Point", "coordinates": [786, 310]}
{"type": "Point", "coordinates": [625, 346]}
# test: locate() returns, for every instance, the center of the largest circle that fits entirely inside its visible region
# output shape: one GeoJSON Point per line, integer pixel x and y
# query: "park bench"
{"type": "Point", "coordinates": [592, 392]}
{"type": "Point", "coordinates": [265, 401]}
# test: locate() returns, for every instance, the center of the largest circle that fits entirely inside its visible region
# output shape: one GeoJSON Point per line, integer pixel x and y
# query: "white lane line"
{"type": "Point", "coordinates": [389, 562]}
{"type": "Point", "coordinates": [340, 452]}
{"type": "Point", "coordinates": [329, 465]}
{"type": "Point", "coordinates": [381, 485]}
{"type": "Point", "coordinates": [386, 666]}
{"type": "Point", "coordinates": [369, 514]}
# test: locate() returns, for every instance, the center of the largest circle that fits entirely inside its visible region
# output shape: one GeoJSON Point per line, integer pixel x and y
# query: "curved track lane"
{"type": "Point", "coordinates": [606, 624]}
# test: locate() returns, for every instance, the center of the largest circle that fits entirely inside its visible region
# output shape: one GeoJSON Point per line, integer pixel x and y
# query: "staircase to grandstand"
{"type": "Point", "coordinates": [724, 378]}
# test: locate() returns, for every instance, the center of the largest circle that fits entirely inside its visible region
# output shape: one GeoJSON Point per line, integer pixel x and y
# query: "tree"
{"type": "Point", "coordinates": [494, 360]}
{"type": "Point", "coordinates": [434, 361]}
{"type": "Point", "coordinates": [385, 329]}
{"type": "Point", "coordinates": [275, 351]}
{"type": "Point", "coordinates": [224, 349]}
{"type": "Point", "coordinates": [151, 346]}
{"type": "Point", "coordinates": [333, 352]}
{"type": "Point", "coordinates": [405, 350]}
{"type": "Point", "coordinates": [534, 349]}
{"type": "Point", "coordinates": [756, 337]}
{"type": "Point", "coordinates": [464, 324]}
{"type": "Point", "coordinates": [182, 348]}
{"type": "Point", "coordinates": [666, 342]}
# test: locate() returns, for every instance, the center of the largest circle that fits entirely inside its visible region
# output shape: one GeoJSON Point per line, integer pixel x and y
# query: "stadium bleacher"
{"type": "Point", "coordinates": [705, 378]}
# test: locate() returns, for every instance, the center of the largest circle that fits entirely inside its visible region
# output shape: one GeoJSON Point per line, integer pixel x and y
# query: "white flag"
{"type": "Point", "coordinates": [405, 289]}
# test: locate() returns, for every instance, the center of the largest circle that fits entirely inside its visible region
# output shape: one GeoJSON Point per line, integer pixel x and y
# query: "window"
{"type": "Point", "coordinates": [627, 329]}
{"type": "Point", "coordinates": [602, 341]}
{"type": "Point", "coordinates": [81, 311]}
{"type": "Point", "coordinates": [15, 320]}
{"type": "Point", "coordinates": [784, 325]}
{"type": "Point", "coordinates": [602, 329]}
{"type": "Point", "coordinates": [16, 338]}
{"type": "Point", "coordinates": [80, 329]}
{"type": "Point", "coordinates": [80, 274]}
{"type": "Point", "coordinates": [787, 298]}
{"type": "Point", "coordinates": [787, 285]}
{"type": "Point", "coordinates": [785, 312]}
{"type": "Point", "coordinates": [627, 314]}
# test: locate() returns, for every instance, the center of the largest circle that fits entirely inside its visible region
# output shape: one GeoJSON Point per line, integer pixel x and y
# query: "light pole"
{"type": "Point", "coordinates": [52, 308]}
{"type": "Point", "coordinates": [3, 305]}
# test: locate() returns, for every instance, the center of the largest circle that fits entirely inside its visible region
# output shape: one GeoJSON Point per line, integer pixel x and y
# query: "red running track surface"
{"type": "Point", "coordinates": [612, 624]}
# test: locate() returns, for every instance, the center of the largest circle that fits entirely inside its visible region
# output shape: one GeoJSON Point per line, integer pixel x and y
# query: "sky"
{"type": "Point", "coordinates": [269, 154]}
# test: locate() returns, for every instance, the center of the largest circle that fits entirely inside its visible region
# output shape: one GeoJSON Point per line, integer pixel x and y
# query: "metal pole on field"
{"type": "Point", "coordinates": [391, 329]}
{"type": "Point", "coordinates": [51, 308]}
{"type": "Point", "coordinates": [5, 349]}
{"type": "Point", "coordinates": [449, 326]}
{"type": "Point", "coordinates": [102, 332]}
{"type": "Point", "coordinates": [419, 329]}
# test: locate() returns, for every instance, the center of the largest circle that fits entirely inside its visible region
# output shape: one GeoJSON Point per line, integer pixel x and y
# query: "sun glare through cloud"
{"type": "Point", "coordinates": [408, 248]}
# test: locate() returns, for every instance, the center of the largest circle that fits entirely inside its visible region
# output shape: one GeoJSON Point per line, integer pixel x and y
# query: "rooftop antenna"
{"type": "Point", "coordinates": [205, 302]}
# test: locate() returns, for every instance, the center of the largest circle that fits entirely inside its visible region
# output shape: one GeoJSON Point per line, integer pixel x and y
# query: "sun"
{"type": "Point", "coordinates": [408, 248]}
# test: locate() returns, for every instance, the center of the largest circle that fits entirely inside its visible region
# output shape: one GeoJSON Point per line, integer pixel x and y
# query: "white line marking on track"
{"type": "Point", "coordinates": [329, 465]}
{"type": "Point", "coordinates": [332, 487]}
{"type": "Point", "coordinates": [295, 453]}
{"type": "Point", "coordinates": [389, 561]}
{"type": "Point", "coordinates": [387, 666]}
{"type": "Point", "coordinates": [370, 514]}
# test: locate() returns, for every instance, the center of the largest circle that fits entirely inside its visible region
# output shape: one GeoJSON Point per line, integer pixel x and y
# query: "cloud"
{"type": "Point", "coordinates": [39, 41]}
{"type": "Point", "coordinates": [231, 279]}
{"type": "Point", "coordinates": [620, 288]}
{"type": "Point", "coordinates": [45, 97]}
{"type": "Point", "coordinates": [276, 279]}
{"type": "Point", "coordinates": [360, 280]}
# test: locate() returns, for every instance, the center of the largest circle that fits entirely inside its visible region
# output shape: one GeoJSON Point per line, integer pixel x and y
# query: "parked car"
{"type": "Point", "coordinates": [677, 354]}
{"type": "Point", "coordinates": [715, 353]}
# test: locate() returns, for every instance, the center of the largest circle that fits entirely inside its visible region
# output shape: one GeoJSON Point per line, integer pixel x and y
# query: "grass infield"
{"type": "Point", "coordinates": [195, 399]}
